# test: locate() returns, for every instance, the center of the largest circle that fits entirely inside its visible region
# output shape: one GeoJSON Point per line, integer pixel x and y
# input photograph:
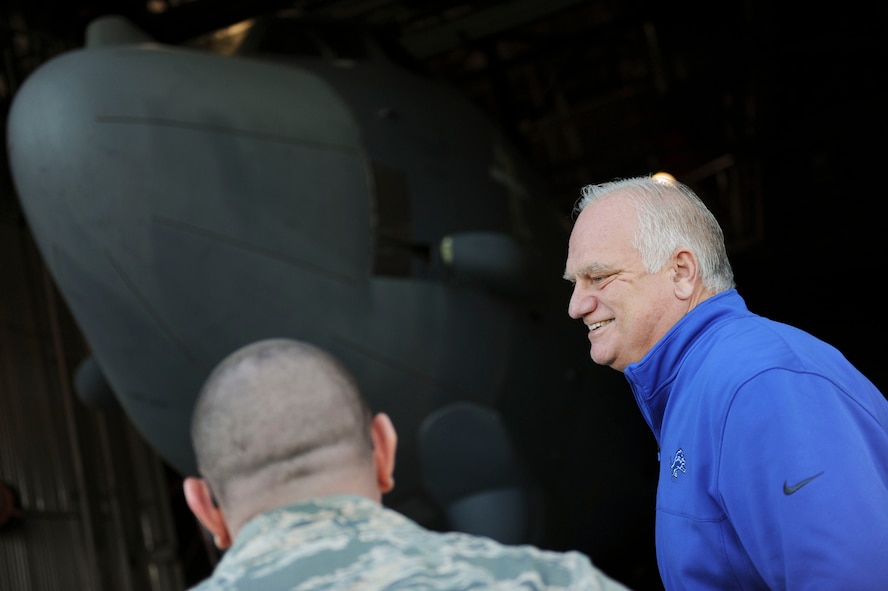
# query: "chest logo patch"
{"type": "Point", "coordinates": [678, 464]}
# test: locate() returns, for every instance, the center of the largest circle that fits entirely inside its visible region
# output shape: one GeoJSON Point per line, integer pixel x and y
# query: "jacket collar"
{"type": "Point", "coordinates": [652, 377]}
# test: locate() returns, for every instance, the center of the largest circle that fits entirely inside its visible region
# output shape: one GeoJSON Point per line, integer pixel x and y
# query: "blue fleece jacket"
{"type": "Point", "coordinates": [773, 456]}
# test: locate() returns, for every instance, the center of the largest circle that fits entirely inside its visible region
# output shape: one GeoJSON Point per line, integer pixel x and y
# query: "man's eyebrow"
{"type": "Point", "coordinates": [590, 269]}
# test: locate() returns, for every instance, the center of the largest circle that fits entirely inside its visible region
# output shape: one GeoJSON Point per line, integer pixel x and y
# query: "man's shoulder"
{"type": "Point", "coordinates": [345, 543]}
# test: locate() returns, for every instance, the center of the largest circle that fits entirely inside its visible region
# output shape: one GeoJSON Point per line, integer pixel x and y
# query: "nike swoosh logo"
{"type": "Point", "coordinates": [788, 490]}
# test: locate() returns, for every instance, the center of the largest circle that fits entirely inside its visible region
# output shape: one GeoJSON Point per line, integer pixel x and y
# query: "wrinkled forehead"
{"type": "Point", "coordinates": [603, 227]}
{"type": "Point", "coordinates": [601, 240]}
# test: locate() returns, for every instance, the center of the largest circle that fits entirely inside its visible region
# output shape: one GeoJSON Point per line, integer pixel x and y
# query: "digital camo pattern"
{"type": "Point", "coordinates": [350, 542]}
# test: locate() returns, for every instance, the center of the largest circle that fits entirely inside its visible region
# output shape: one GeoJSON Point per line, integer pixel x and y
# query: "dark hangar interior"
{"type": "Point", "coordinates": [775, 112]}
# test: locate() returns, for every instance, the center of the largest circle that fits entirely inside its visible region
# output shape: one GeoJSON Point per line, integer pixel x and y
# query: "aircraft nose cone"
{"type": "Point", "coordinates": [183, 201]}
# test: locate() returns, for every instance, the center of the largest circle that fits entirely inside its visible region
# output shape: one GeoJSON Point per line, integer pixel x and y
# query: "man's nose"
{"type": "Point", "coordinates": [581, 303]}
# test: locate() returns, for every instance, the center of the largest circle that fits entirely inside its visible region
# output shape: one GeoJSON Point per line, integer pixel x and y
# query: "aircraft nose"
{"type": "Point", "coordinates": [170, 225]}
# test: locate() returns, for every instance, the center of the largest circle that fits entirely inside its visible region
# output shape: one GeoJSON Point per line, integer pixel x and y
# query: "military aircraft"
{"type": "Point", "coordinates": [295, 178]}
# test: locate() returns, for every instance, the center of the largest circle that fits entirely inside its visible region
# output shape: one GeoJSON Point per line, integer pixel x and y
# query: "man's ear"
{"type": "Point", "coordinates": [686, 273]}
{"type": "Point", "coordinates": [385, 444]}
{"type": "Point", "coordinates": [200, 500]}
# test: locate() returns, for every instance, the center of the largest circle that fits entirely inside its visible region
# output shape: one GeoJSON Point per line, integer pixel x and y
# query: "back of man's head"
{"type": "Point", "coordinates": [280, 418]}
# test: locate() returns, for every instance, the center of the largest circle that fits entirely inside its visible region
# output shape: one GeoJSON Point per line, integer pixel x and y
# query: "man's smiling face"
{"type": "Point", "coordinates": [626, 308]}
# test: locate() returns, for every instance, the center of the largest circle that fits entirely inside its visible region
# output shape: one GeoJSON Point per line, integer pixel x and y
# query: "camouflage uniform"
{"type": "Point", "coordinates": [351, 542]}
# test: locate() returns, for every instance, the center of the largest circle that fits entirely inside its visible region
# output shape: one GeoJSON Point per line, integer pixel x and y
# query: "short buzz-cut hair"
{"type": "Point", "coordinates": [276, 410]}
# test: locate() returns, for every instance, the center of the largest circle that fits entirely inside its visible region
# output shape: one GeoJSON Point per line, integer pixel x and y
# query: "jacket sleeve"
{"type": "Point", "coordinates": [803, 477]}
